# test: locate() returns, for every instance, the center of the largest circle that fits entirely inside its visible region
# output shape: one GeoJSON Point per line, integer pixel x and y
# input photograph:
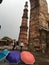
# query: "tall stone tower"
{"type": "Point", "coordinates": [38, 31]}
{"type": "Point", "coordinates": [24, 28]}
{"type": "Point", "coordinates": [38, 12]}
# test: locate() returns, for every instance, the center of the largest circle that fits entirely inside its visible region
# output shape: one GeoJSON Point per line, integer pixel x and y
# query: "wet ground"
{"type": "Point", "coordinates": [6, 63]}
{"type": "Point", "coordinates": [21, 63]}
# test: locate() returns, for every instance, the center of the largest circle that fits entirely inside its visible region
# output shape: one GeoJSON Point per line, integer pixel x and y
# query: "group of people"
{"type": "Point", "coordinates": [17, 45]}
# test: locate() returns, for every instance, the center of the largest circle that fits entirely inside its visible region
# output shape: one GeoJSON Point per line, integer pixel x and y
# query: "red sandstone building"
{"type": "Point", "coordinates": [38, 25]}
{"type": "Point", "coordinates": [24, 28]}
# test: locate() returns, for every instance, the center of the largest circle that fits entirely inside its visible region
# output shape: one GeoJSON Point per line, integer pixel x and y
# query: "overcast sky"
{"type": "Point", "coordinates": [11, 12]}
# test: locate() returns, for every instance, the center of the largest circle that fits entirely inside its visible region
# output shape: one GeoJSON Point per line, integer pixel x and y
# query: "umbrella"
{"type": "Point", "coordinates": [27, 57]}
{"type": "Point", "coordinates": [14, 57]}
{"type": "Point", "coordinates": [3, 54]}
{"type": "Point", "coordinates": [1, 1]}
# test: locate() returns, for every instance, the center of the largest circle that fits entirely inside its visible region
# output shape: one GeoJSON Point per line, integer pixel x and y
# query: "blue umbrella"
{"type": "Point", "coordinates": [3, 54]}
{"type": "Point", "coordinates": [14, 57]}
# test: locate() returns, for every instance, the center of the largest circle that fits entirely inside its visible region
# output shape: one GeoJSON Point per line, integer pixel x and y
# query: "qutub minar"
{"type": "Point", "coordinates": [38, 26]}
{"type": "Point", "coordinates": [38, 38]}
{"type": "Point", "coordinates": [24, 27]}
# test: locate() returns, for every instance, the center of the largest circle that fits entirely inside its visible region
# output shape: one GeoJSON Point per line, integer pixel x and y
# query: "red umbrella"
{"type": "Point", "coordinates": [27, 57]}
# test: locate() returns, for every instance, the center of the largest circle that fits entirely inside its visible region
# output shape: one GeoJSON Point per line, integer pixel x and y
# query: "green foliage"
{"type": "Point", "coordinates": [6, 38]}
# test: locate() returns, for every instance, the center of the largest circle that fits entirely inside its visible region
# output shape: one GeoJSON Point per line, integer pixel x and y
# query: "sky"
{"type": "Point", "coordinates": [11, 12]}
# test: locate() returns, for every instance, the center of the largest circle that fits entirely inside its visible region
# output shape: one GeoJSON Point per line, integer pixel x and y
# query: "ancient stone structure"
{"type": "Point", "coordinates": [24, 28]}
{"type": "Point", "coordinates": [38, 25]}
{"type": "Point", "coordinates": [38, 31]}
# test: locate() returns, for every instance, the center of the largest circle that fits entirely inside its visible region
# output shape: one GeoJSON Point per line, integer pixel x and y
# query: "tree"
{"type": "Point", "coordinates": [6, 38]}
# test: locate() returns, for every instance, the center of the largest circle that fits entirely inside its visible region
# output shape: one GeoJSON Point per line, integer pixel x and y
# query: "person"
{"type": "Point", "coordinates": [21, 45]}
{"type": "Point", "coordinates": [15, 44]}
